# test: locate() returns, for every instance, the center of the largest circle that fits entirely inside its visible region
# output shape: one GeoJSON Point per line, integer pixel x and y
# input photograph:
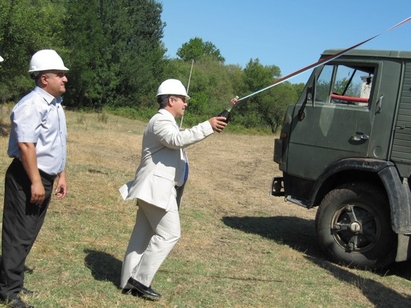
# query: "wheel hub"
{"type": "Point", "coordinates": [355, 227]}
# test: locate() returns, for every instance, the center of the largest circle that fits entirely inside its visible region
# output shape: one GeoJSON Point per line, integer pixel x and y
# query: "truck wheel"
{"type": "Point", "coordinates": [353, 226]}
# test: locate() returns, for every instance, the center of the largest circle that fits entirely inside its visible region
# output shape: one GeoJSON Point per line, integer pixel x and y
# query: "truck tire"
{"type": "Point", "coordinates": [353, 226]}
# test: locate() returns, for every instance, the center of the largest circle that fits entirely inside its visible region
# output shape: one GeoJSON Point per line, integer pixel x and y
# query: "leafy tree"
{"type": "Point", "coordinates": [116, 59]}
{"type": "Point", "coordinates": [274, 104]}
{"type": "Point", "coordinates": [265, 108]}
{"type": "Point", "coordinates": [298, 87]}
{"type": "Point", "coordinates": [26, 26]}
{"type": "Point", "coordinates": [140, 52]}
{"type": "Point", "coordinates": [256, 77]}
{"type": "Point", "coordinates": [114, 63]}
{"type": "Point", "coordinates": [89, 76]}
{"type": "Point", "coordinates": [196, 49]}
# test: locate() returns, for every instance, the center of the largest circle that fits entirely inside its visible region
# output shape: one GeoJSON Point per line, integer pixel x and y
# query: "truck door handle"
{"type": "Point", "coordinates": [359, 137]}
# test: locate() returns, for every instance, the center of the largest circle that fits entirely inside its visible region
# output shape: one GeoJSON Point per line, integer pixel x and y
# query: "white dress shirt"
{"type": "Point", "coordinates": [39, 118]}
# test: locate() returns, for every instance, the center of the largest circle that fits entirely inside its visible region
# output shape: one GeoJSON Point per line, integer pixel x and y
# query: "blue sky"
{"type": "Point", "coordinates": [290, 34]}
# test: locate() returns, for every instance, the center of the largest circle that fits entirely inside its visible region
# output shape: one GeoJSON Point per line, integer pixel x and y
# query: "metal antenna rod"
{"type": "Point", "coordinates": [188, 87]}
{"type": "Point", "coordinates": [189, 77]}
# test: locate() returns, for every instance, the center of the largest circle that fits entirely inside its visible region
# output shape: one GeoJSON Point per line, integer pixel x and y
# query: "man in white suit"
{"type": "Point", "coordinates": [158, 186]}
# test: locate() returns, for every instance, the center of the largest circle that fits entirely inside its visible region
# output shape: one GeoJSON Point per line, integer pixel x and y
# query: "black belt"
{"type": "Point", "coordinates": [43, 174]}
{"type": "Point", "coordinates": [47, 176]}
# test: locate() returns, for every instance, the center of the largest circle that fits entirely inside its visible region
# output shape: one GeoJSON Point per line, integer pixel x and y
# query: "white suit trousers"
{"type": "Point", "coordinates": [154, 235]}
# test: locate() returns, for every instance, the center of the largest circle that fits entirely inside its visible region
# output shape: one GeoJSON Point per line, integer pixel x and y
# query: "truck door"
{"type": "Point", "coordinates": [336, 120]}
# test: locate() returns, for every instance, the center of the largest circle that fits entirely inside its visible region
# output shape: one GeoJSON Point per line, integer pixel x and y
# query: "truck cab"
{"type": "Point", "coordinates": [345, 146]}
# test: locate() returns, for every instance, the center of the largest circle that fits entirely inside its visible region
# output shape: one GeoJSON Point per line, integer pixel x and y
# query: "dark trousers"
{"type": "Point", "coordinates": [180, 191]}
{"type": "Point", "coordinates": [22, 222]}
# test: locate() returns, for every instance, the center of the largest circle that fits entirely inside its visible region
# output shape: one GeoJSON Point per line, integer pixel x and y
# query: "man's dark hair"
{"type": "Point", "coordinates": [162, 100]}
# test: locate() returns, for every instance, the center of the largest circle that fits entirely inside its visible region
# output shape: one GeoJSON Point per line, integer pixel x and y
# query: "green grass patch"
{"type": "Point", "coordinates": [239, 246]}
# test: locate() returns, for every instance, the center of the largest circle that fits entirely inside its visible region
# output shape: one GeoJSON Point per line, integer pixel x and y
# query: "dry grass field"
{"type": "Point", "coordinates": [240, 247]}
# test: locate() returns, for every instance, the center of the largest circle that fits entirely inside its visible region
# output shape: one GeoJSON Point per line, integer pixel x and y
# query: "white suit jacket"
{"type": "Point", "coordinates": [162, 159]}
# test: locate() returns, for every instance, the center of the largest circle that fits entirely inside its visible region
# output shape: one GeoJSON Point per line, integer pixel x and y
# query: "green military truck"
{"type": "Point", "coordinates": [345, 146]}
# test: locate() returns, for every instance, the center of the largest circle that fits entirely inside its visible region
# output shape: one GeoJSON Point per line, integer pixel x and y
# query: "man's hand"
{"type": "Point", "coordinates": [38, 193]}
{"type": "Point", "coordinates": [61, 187]}
{"type": "Point", "coordinates": [218, 124]}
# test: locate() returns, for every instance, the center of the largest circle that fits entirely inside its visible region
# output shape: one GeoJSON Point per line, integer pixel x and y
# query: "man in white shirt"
{"type": "Point", "coordinates": [37, 145]}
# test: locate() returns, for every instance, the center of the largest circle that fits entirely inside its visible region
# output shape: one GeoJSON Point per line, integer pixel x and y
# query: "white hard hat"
{"type": "Point", "coordinates": [1, 59]}
{"type": "Point", "coordinates": [172, 87]}
{"type": "Point", "coordinates": [46, 59]}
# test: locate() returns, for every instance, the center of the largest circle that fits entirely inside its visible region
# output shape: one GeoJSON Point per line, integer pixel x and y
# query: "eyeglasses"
{"type": "Point", "coordinates": [61, 74]}
{"type": "Point", "coordinates": [183, 98]}
{"type": "Point", "coordinates": [58, 74]}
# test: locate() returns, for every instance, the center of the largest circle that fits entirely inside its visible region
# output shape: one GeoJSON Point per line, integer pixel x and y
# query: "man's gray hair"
{"type": "Point", "coordinates": [162, 100]}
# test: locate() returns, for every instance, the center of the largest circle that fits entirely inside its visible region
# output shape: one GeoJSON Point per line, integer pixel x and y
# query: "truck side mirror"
{"type": "Point", "coordinates": [308, 96]}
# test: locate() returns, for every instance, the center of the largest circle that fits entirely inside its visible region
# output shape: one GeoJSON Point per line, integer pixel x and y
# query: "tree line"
{"type": "Point", "coordinates": [117, 59]}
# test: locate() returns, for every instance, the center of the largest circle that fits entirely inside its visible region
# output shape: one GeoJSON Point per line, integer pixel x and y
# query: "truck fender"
{"type": "Point", "coordinates": [399, 197]}
{"type": "Point", "coordinates": [348, 167]}
{"type": "Point", "coordinates": [397, 190]}
{"type": "Point", "coordinates": [398, 193]}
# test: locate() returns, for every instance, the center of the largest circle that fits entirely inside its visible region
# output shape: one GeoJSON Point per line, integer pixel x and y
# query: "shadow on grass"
{"type": "Point", "coordinates": [294, 232]}
{"type": "Point", "coordinates": [375, 292]}
{"type": "Point", "coordinates": [103, 266]}
{"type": "Point", "coordinates": [400, 269]}
{"type": "Point", "coordinates": [299, 234]}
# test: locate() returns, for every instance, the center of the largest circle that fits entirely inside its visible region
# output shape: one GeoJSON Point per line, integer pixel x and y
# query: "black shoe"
{"type": "Point", "coordinates": [143, 289]}
{"type": "Point", "coordinates": [16, 303]}
{"type": "Point", "coordinates": [26, 291]}
{"type": "Point", "coordinates": [132, 291]}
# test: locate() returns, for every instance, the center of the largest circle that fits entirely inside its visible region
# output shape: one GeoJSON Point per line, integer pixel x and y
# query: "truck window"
{"type": "Point", "coordinates": [323, 85]}
{"type": "Point", "coordinates": [345, 84]}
